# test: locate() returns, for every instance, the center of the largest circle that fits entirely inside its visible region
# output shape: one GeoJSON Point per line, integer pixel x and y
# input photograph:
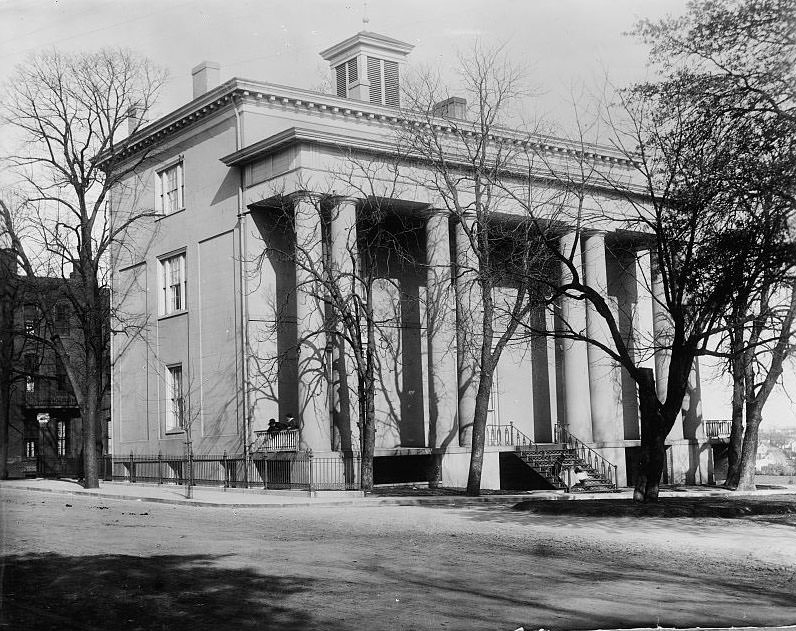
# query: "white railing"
{"type": "Point", "coordinates": [286, 440]}
{"type": "Point", "coordinates": [718, 429]}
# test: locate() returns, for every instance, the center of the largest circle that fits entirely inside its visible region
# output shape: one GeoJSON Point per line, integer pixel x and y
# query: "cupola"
{"type": "Point", "coordinates": [366, 67]}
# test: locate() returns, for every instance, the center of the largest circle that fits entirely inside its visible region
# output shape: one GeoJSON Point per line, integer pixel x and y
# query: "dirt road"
{"type": "Point", "coordinates": [84, 563]}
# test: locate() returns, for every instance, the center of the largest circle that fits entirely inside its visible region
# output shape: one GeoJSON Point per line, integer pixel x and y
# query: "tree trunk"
{"type": "Point", "coordinates": [368, 438]}
{"type": "Point", "coordinates": [746, 469]}
{"type": "Point", "coordinates": [654, 430]}
{"type": "Point", "coordinates": [89, 410]}
{"type": "Point", "coordinates": [479, 432]}
{"type": "Point", "coordinates": [738, 396]}
{"type": "Point", "coordinates": [736, 433]}
{"type": "Point", "coordinates": [5, 420]}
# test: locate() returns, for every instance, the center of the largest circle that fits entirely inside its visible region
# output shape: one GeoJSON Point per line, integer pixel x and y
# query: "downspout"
{"type": "Point", "coordinates": [244, 299]}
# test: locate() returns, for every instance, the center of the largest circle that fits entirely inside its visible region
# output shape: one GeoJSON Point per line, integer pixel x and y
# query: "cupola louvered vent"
{"type": "Point", "coordinates": [374, 77]}
{"type": "Point", "coordinates": [366, 67]}
{"type": "Point", "coordinates": [391, 87]}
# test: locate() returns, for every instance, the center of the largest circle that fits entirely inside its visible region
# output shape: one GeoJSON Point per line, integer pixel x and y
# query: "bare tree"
{"type": "Point", "coordinates": [72, 112]}
{"type": "Point", "coordinates": [463, 154]}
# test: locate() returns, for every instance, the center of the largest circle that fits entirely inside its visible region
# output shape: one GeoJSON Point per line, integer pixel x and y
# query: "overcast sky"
{"type": "Point", "coordinates": [565, 46]}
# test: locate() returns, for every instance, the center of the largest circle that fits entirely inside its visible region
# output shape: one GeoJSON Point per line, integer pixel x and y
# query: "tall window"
{"type": "Point", "coordinates": [174, 285]}
{"type": "Point", "coordinates": [175, 404]}
{"type": "Point", "coordinates": [31, 366]}
{"type": "Point", "coordinates": [62, 437]}
{"type": "Point", "coordinates": [171, 189]}
{"type": "Point", "coordinates": [31, 318]}
{"type": "Point", "coordinates": [61, 377]}
{"type": "Point", "coordinates": [61, 317]}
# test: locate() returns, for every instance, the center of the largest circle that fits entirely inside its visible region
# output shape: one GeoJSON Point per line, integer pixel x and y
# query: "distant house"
{"type": "Point", "coordinates": [45, 427]}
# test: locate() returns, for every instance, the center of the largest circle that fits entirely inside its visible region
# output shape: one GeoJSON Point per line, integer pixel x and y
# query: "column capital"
{"type": "Point", "coordinates": [336, 199]}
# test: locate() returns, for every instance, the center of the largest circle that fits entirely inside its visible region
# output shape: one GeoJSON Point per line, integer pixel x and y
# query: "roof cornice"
{"type": "Point", "coordinates": [247, 90]}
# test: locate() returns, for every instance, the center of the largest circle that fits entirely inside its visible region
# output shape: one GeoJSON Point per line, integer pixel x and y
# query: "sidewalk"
{"type": "Point", "coordinates": [255, 498]}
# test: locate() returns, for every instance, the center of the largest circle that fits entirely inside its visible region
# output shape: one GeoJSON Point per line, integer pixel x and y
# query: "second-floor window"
{"type": "Point", "coordinates": [61, 377]}
{"type": "Point", "coordinates": [171, 188]}
{"type": "Point", "coordinates": [61, 317]}
{"type": "Point", "coordinates": [62, 437]}
{"type": "Point", "coordinates": [31, 319]}
{"type": "Point", "coordinates": [174, 285]}
{"type": "Point", "coordinates": [31, 366]}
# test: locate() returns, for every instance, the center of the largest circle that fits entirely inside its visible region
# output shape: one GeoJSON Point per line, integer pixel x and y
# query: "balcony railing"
{"type": "Point", "coordinates": [286, 440]}
{"type": "Point", "coordinates": [718, 428]}
{"type": "Point", "coordinates": [43, 397]}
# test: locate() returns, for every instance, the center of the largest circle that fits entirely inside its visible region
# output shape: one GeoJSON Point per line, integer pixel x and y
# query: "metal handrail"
{"type": "Point", "coordinates": [505, 435]}
{"type": "Point", "coordinates": [593, 459]}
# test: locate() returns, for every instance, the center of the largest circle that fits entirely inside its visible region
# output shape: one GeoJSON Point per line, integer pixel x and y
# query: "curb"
{"type": "Point", "coordinates": [366, 501]}
{"type": "Point", "coordinates": [433, 500]}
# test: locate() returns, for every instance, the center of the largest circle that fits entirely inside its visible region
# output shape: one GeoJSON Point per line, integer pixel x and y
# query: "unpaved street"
{"type": "Point", "coordinates": [86, 563]}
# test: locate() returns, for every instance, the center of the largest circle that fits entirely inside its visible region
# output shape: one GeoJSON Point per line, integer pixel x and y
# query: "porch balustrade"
{"type": "Point", "coordinates": [286, 440]}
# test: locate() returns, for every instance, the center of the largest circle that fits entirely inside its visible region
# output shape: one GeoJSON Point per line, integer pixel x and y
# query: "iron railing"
{"type": "Point", "coordinates": [49, 396]}
{"type": "Point", "coordinates": [286, 440]}
{"type": "Point", "coordinates": [277, 470]}
{"type": "Point", "coordinates": [718, 428]}
{"type": "Point", "coordinates": [594, 460]}
{"type": "Point", "coordinates": [505, 435]}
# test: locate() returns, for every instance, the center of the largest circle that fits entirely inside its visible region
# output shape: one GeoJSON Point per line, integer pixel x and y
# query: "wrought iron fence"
{"type": "Point", "coordinates": [278, 470]}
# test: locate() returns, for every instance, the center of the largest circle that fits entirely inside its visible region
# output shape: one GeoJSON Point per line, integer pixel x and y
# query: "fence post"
{"type": "Point", "coordinates": [226, 470]}
{"type": "Point", "coordinates": [309, 460]}
{"type": "Point", "coordinates": [160, 468]}
{"type": "Point", "coordinates": [132, 467]}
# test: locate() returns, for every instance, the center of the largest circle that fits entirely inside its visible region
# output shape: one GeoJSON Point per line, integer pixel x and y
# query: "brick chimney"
{"type": "Point", "coordinates": [454, 107]}
{"type": "Point", "coordinates": [206, 76]}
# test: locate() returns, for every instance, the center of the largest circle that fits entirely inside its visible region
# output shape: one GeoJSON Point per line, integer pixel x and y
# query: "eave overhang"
{"type": "Point", "coordinates": [353, 111]}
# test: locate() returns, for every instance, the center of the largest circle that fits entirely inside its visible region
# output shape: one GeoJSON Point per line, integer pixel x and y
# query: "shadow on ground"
{"type": "Point", "coordinates": [668, 507]}
{"type": "Point", "coordinates": [53, 591]}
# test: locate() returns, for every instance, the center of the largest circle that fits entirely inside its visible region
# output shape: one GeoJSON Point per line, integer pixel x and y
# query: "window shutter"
{"type": "Point", "coordinates": [352, 70]}
{"type": "Point", "coordinates": [342, 87]}
{"type": "Point", "coordinates": [374, 77]}
{"type": "Point", "coordinates": [391, 87]}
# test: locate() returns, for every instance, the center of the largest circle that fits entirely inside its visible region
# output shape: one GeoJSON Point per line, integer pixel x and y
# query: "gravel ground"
{"type": "Point", "coordinates": [84, 563]}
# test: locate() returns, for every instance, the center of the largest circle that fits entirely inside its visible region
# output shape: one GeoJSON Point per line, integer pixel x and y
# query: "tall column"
{"type": "Point", "coordinates": [343, 258]}
{"type": "Point", "coordinates": [313, 412]}
{"type": "Point", "coordinates": [469, 316]}
{"type": "Point", "coordinates": [605, 378]}
{"type": "Point", "coordinates": [576, 360]}
{"type": "Point", "coordinates": [441, 317]}
{"type": "Point", "coordinates": [642, 315]}
{"type": "Point", "coordinates": [662, 334]}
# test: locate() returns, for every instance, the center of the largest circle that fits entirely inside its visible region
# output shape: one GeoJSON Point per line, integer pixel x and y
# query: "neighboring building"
{"type": "Point", "coordinates": [220, 335]}
{"type": "Point", "coordinates": [45, 427]}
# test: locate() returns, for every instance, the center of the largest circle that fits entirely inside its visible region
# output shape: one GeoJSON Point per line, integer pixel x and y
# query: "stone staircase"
{"type": "Point", "coordinates": [553, 462]}
{"type": "Point", "coordinates": [556, 462]}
